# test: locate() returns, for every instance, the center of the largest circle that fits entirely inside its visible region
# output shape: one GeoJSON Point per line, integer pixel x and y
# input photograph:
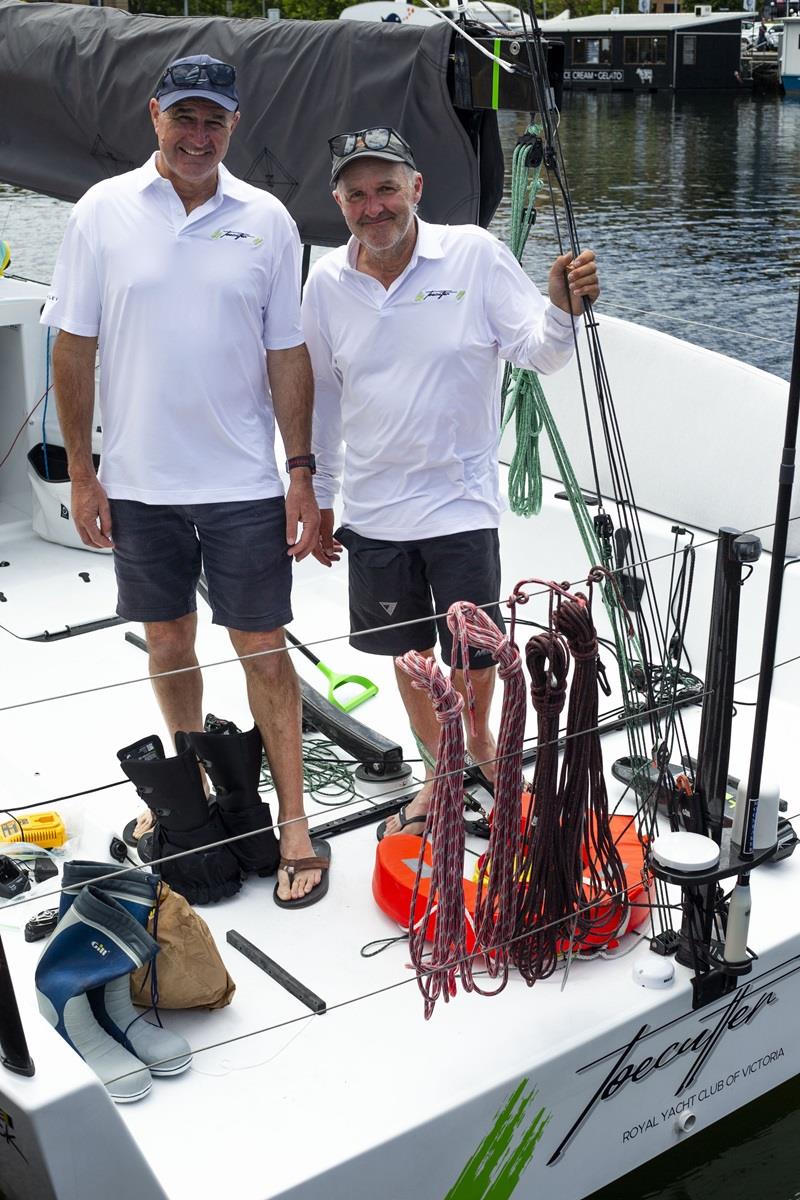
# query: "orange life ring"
{"type": "Point", "coordinates": [397, 860]}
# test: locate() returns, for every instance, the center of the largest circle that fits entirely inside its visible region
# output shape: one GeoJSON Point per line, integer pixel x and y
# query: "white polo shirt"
{"type": "Point", "coordinates": [407, 379]}
{"type": "Point", "coordinates": [184, 308]}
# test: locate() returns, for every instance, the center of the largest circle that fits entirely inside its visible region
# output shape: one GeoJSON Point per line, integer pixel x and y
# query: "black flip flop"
{"type": "Point", "coordinates": [404, 821]}
{"type": "Point", "coordinates": [321, 861]}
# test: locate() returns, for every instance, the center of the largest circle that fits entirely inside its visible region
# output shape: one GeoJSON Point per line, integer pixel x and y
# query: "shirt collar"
{"type": "Point", "coordinates": [427, 245]}
{"type": "Point", "coordinates": [227, 184]}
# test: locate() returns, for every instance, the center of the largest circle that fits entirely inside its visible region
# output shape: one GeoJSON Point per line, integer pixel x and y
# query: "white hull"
{"type": "Point", "coordinates": [368, 1099]}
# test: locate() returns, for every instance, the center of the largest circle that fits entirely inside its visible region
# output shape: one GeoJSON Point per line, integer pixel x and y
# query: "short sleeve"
{"type": "Point", "coordinates": [74, 300]}
{"type": "Point", "coordinates": [282, 325]}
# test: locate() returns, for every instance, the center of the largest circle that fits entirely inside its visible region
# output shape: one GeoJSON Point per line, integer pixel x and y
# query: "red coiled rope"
{"type": "Point", "coordinates": [448, 958]}
{"type": "Point", "coordinates": [591, 857]}
{"type": "Point", "coordinates": [539, 929]}
{"type": "Point", "coordinates": [496, 902]}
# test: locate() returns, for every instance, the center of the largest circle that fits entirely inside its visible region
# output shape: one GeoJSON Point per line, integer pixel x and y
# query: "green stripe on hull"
{"type": "Point", "coordinates": [495, 1168]}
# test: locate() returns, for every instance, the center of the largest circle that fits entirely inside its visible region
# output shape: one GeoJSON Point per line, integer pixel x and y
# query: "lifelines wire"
{"type": "Point", "coordinates": [664, 316]}
{"type": "Point", "coordinates": [277, 825]}
{"type": "Point", "coordinates": [465, 959]}
{"type": "Point", "coordinates": [339, 637]}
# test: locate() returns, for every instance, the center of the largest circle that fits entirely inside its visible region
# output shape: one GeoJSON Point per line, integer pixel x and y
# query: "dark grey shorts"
{"type": "Point", "coordinates": [393, 582]}
{"type": "Point", "coordinates": [160, 549]}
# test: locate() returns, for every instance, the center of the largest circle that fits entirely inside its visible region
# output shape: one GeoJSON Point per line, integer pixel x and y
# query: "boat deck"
{"type": "Point", "coordinates": [367, 1098]}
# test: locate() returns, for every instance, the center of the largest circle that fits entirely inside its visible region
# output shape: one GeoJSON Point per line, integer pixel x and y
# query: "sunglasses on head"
{"type": "Point", "coordinates": [187, 75]}
{"type": "Point", "coordinates": [378, 138]}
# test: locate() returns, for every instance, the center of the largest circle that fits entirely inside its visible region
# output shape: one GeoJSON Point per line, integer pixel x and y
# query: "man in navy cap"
{"type": "Point", "coordinates": [406, 325]}
{"type": "Point", "coordinates": [188, 279]}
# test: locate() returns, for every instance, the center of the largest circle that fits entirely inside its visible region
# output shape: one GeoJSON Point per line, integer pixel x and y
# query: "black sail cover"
{"type": "Point", "coordinates": [75, 82]}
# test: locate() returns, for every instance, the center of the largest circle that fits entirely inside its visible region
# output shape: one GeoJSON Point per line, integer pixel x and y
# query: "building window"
{"type": "Point", "coordinates": [645, 51]}
{"type": "Point", "coordinates": [593, 51]}
{"type": "Point", "coordinates": [689, 50]}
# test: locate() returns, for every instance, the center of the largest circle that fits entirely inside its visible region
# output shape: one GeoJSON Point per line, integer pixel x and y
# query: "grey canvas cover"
{"type": "Point", "coordinates": [75, 82]}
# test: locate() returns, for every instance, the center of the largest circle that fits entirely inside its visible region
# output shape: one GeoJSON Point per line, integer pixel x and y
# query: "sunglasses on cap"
{"type": "Point", "coordinates": [378, 138]}
{"type": "Point", "coordinates": [188, 75]}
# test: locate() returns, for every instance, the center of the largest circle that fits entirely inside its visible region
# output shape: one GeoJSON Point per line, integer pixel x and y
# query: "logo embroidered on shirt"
{"type": "Point", "coordinates": [388, 606]}
{"type": "Point", "coordinates": [237, 236]}
{"type": "Point", "coordinates": [455, 297]}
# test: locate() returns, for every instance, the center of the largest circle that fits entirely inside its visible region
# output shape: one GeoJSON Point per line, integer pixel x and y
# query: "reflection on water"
{"type": "Point", "coordinates": [690, 203]}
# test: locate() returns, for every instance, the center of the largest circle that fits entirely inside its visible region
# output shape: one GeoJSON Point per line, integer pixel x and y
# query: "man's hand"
{"type": "Point", "coordinates": [302, 507]}
{"type": "Point", "coordinates": [570, 280]}
{"type": "Point", "coordinates": [327, 550]}
{"type": "Point", "coordinates": [91, 512]}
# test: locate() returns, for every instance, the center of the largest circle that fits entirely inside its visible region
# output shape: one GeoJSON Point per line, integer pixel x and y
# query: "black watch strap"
{"type": "Point", "coordinates": [302, 460]}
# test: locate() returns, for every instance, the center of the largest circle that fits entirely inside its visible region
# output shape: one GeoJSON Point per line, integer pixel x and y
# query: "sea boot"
{"type": "Point", "coordinates": [96, 942]}
{"type": "Point", "coordinates": [164, 1052]}
{"type": "Point", "coordinates": [172, 788]}
{"type": "Point", "coordinates": [232, 760]}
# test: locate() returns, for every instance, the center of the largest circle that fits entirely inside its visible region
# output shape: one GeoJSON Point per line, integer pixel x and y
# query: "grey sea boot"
{"type": "Point", "coordinates": [164, 1052]}
{"type": "Point", "coordinates": [96, 942]}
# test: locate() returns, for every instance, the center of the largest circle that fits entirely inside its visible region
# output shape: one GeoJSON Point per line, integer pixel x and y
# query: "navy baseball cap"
{"type": "Point", "coordinates": [198, 77]}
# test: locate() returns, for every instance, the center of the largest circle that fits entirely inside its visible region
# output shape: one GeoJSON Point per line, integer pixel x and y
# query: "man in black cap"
{"type": "Point", "coordinates": [189, 279]}
{"type": "Point", "coordinates": [406, 325]}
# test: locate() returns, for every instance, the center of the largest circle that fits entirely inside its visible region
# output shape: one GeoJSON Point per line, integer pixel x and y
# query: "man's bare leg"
{"type": "Point", "coordinates": [274, 696]}
{"type": "Point", "coordinates": [482, 745]}
{"type": "Point", "coordinates": [170, 646]}
{"type": "Point", "coordinates": [423, 722]}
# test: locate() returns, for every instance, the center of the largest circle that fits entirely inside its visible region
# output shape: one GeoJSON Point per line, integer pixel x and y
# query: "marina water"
{"type": "Point", "coordinates": [691, 203]}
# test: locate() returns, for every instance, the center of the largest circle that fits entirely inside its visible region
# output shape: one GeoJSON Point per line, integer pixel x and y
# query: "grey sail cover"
{"type": "Point", "coordinates": [75, 83]}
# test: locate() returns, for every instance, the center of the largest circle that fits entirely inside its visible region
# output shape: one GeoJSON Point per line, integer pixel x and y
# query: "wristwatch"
{"type": "Point", "coordinates": [302, 460]}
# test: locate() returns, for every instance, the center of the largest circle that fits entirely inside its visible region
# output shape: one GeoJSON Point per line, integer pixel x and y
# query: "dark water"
{"type": "Point", "coordinates": [691, 204]}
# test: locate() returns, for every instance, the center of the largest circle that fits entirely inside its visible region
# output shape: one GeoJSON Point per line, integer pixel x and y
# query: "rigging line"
{"type": "Point", "coordinates": [339, 637]}
{"type": "Point", "coordinates": [746, 678]}
{"type": "Point", "coordinates": [276, 825]}
{"type": "Point", "coordinates": [388, 794]}
{"type": "Point", "coordinates": [21, 429]}
{"type": "Point", "coordinates": [647, 312]}
{"type": "Point", "coordinates": [486, 53]}
{"type": "Point", "coordinates": [389, 987]}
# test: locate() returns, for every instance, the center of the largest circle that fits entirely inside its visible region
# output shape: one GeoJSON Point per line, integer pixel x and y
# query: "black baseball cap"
{"type": "Point", "coordinates": [198, 77]}
{"type": "Point", "coordinates": [380, 141]}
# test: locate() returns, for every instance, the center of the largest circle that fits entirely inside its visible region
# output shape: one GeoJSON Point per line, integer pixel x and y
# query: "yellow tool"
{"type": "Point", "coordinates": [41, 829]}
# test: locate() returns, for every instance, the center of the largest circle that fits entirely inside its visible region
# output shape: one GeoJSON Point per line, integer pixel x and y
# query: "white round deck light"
{"type": "Point", "coordinates": [682, 851]}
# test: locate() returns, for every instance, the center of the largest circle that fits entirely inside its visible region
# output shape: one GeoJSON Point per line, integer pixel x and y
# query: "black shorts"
{"type": "Point", "coordinates": [160, 549]}
{"type": "Point", "coordinates": [395, 582]}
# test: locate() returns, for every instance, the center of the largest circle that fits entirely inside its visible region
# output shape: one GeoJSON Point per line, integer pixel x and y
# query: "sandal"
{"type": "Point", "coordinates": [404, 821]}
{"type": "Point", "coordinates": [320, 861]}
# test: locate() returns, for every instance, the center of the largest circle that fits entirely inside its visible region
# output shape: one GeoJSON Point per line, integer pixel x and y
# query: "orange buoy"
{"type": "Point", "coordinates": [397, 860]}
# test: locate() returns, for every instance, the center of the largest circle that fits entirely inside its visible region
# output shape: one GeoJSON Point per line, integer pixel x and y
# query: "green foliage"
{"type": "Point", "coordinates": [305, 10]}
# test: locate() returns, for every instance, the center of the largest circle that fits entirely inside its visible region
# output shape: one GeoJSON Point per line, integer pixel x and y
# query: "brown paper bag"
{"type": "Point", "coordinates": [189, 970]}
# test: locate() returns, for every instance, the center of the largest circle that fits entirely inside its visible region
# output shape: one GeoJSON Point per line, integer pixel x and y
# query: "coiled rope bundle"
{"type": "Point", "coordinates": [541, 902]}
{"type": "Point", "coordinates": [496, 902]}
{"type": "Point", "coordinates": [591, 859]}
{"type": "Point", "coordinates": [448, 958]}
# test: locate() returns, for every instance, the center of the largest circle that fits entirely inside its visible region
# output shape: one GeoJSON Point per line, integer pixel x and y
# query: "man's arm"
{"type": "Point", "coordinates": [73, 379]}
{"type": "Point", "coordinates": [292, 388]}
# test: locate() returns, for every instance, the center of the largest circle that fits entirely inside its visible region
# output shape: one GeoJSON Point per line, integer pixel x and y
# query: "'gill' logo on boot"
{"type": "Point", "coordinates": [100, 948]}
{"type": "Point", "coordinates": [388, 606]}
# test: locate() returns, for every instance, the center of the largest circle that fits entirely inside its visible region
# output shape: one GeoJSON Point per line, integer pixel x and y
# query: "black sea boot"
{"type": "Point", "coordinates": [173, 789]}
{"type": "Point", "coordinates": [232, 760]}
